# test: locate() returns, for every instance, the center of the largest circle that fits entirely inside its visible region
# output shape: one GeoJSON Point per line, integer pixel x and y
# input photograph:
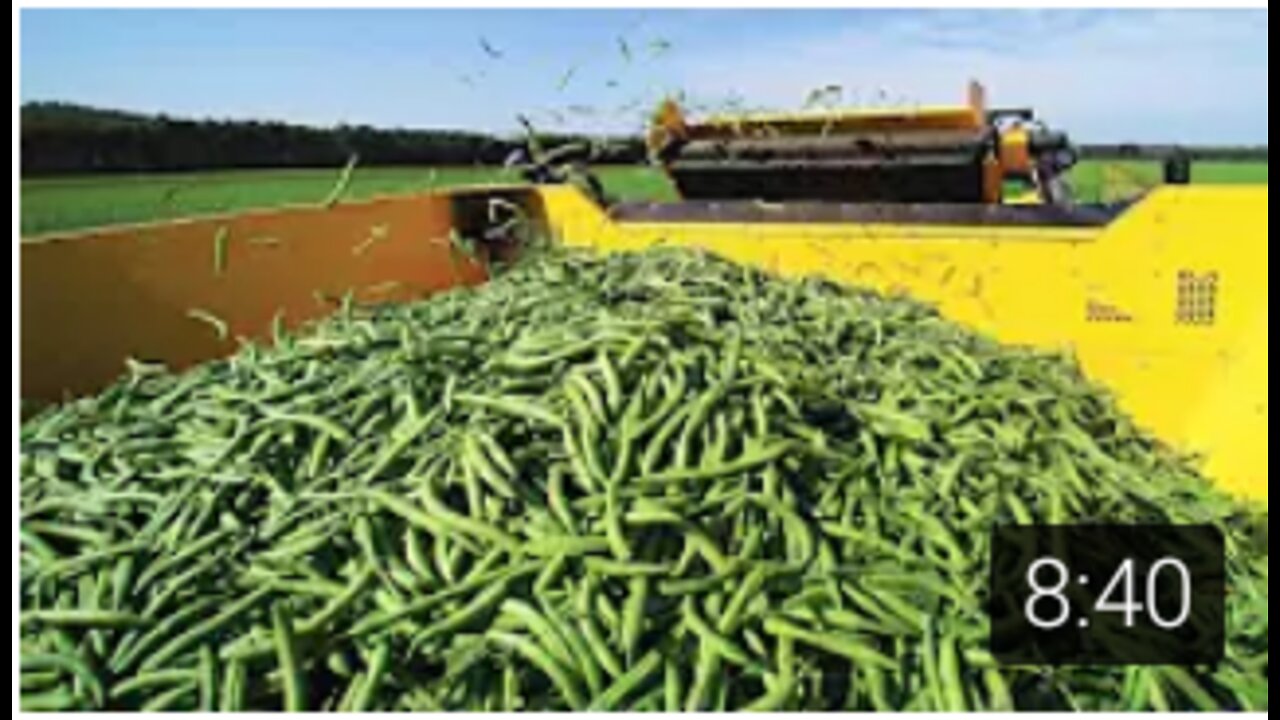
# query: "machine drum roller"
{"type": "Point", "coordinates": [944, 155]}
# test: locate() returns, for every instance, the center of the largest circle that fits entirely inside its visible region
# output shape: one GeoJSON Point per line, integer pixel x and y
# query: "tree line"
{"type": "Point", "coordinates": [63, 138]}
{"type": "Point", "coordinates": [60, 138]}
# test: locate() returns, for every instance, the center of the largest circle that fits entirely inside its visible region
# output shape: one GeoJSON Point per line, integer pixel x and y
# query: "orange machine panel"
{"type": "Point", "coordinates": [92, 300]}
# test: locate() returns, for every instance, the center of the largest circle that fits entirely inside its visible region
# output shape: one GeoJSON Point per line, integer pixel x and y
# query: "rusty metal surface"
{"type": "Point", "coordinates": [93, 299]}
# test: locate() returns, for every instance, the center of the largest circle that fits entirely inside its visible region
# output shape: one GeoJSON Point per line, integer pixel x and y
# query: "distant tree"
{"type": "Point", "coordinates": [60, 138]}
{"type": "Point", "coordinates": [65, 138]}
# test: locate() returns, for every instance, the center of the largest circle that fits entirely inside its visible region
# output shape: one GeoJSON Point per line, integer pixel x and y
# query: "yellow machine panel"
{"type": "Point", "coordinates": [1166, 306]}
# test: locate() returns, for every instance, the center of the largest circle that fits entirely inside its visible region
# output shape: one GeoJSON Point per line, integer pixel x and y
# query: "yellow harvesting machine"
{"type": "Point", "coordinates": [967, 154]}
{"type": "Point", "coordinates": [1163, 298]}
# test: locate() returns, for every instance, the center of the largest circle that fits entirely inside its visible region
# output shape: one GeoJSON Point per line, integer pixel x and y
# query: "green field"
{"type": "Point", "coordinates": [1096, 181]}
{"type": "Point", "coordinates": [61, 204]}
{"type": "Point", "coordinates": [71, 203]}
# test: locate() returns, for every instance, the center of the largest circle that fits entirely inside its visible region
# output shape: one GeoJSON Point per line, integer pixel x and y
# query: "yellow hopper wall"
{"type": "Point", "coordinates": [1109, 295]}
{"type": "Point", "coordinates": [91, 300]}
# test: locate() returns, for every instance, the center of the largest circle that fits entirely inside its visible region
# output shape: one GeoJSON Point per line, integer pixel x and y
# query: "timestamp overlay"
{"type": "Point", "coordinates": [1108, 595]}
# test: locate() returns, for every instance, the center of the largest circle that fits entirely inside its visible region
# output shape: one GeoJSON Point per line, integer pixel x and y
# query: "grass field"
{"type": "Point", "coordinates": [62, 204]}
{"type": "Point", "coordinates": [1096, 181]}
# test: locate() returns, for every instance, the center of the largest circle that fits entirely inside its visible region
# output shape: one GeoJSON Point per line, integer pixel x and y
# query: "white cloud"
{"type": "Point", "coordinates": [1104, 76]}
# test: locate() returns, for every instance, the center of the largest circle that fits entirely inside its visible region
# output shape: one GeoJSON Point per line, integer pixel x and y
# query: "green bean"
{"type": "Point", "coordinates": [32, 682]}
{"type": "Point", "coordinates": [232, 697]}
{"type": "Point", "coordinates": [219, 326]}
{"type": "Point", "coordinates": [39, 547]}
{"type": "Point", "coordinates": [379, 663]}
{"type": "Point", "coordinates": [551, 575]}
{"type": "Point", "coordinates": [221, 246]}
{"type": "Point", "coordinates": [81, 564]}
{"type": "Point", "coordinates": [513, 407]}
{"type": "Point", "coordinates": [673, 690]}
{"type": "Point", "coordinates": [1000, 696]}
{"type": "Point", "coordinates": [797, 530]}
{"type": "Point", "coordinates": [878, 689]}
{"type": "Point", "coordinates": [670, 402]}
{"type": "Point", "coordinates": [633, 615]}
{"type": "Point", "coordinates": [893, 423]}
{"type": "Point", "coordinates": [585, 391]}
{"type": "Point", "coordinates": [600, 649]}
{"type": "Point", "coordinates": [180, 559]}
{"type": "Point", "coordinates": [122, 580]}
{"type": "Point", "coordinates": [744, 464]}
{"type": "Point", "coordinates": [834, 643]}
{"type": "Point", "coordinates": [409, 512]}
{"type": "Point", "coordinates": [643, 671]}
{"type": "Point", "coordinates": [706, 674]}
{"type": "Point", "coordinates": [565, 546]}
{"type": "Point", "coordinates": [584, 658]}
{"type": "Point", "coordinates": [378, 623]}
{"type": "Point", "coordinates": [731, 620]}
{"type": "Point", "coordinates": [131, 651]}
{"type": "Point", "coordinates": [171, 699]}
{"type": "Point", "coordinates": [84, 619]}
{"type": "Point", "coordinates": [417, 557]}
{"type": "Point", "coordinates": [338, 605]}
{"type": "Point", "coordinates": [315, 423]}
{"type": "Point", "coordinates": [474, 453]}
{"type": "Point", "coordinates": [557, 502]}
{"type": "Point", "coordinates": [81, 535]}
{"type": "Point", "coordinates": [933, 681]}
{"type": "Point", "coordinates": [517, 362]}
{"type": "Point", "coordinates": [510, 689]}
{"type": "Point", "coordinates": [587, 479]}
{"type": "Point", "coordinates": [658, 443]}
{"type": "Point", "coordinates": [55, 701]}
{"type": "Point", "coordinates": [773, 701]}
{"type": "Point", "coordinates": [953, 685]}
{"type": "Point", "coordinates": [844, 620]}
{"type": "Point", "coordinates": [208, 678]}
{"type": "Point", "coordinates": [481, 605]}
{"type": "Point", "coordinates": [181, 584]}
{"type": "Point", "coordinates": [548, 637]}
{"type": "Point", "coordinates": [70, 664]}
{"type": "Point", "coordinates": [612, 382]}
{"type": "Point", "coordinates": [294, 681]}
{"type": "Point", "coordinates": [461, 524]}
{"type": "Point", "coordinates": [613, 568]}
{"type": "Point", "coordinates": [707, 549]}
{"type": "Point", "coordinates": [199, 632]}
{"type": "Point", "coordinates": [286, 586]}
{"type": "Point", "coordinates": [615, 533]}
{"type": "Point", "coordinates": [400, 443]}
{"type": "Point", "coordinates": [564, 683]}
{"type": "Point", "coordinates": [1158, 700]}
{"type": "Point", "coordinates": [713, 640]}
{"type": "Point", "coordinates": [1179, 679]}
{"type": "Point", "coordinates": [901, 617]}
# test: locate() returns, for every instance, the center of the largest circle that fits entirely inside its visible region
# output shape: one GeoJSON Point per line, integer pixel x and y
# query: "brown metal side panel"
{"type": "Point", "coordinates": [91, 300]}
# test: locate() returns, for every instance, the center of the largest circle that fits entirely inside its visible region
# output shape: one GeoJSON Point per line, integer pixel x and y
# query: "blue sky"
{"type": "Point", "coordinates": [1151, 76]}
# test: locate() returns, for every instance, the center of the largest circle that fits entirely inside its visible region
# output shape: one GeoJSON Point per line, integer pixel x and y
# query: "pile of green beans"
{"type": "Point", "coordinates": [654, 481]}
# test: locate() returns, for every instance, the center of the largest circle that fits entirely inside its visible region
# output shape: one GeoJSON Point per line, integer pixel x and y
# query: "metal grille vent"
{"type": "Point", "coordinates": [1197, 298]}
